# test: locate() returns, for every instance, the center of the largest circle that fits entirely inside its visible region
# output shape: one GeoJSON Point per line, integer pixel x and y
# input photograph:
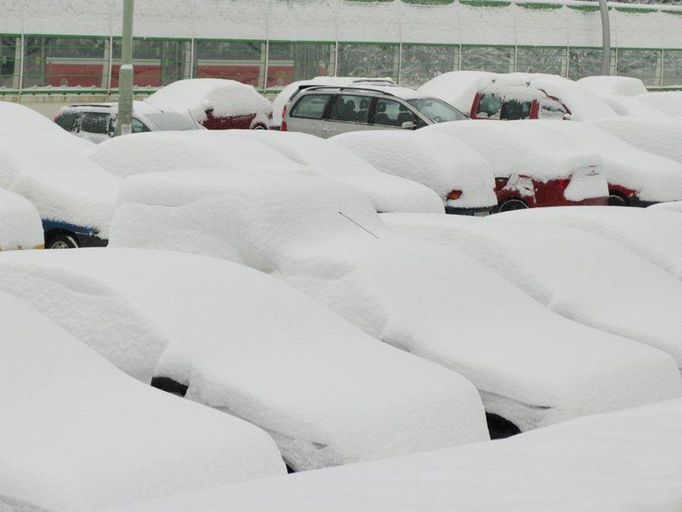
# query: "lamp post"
{"type": "Point", "coordinates": [124, 120]}
{"type": "Point", "coordinates": [606, 38]}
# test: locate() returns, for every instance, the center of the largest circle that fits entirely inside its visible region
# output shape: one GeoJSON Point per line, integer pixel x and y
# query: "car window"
{"type": "Point", "coordinates": [489, 106]}
{"type": "Point", "coordinates": [351, 109]}
{"type": "Point", "coordinates": [551, 109]}
{"type": "Point", "coordinates": [66, 120]}
{"type": "Point", "coordinates": [94, 122]}
{"type": "Point", "coordinates": [391, 113]}
{"type": "Point", "coordinates": [437, 110]}
{"type": "Point", "coordinates": [311, 106]}
{"type": "Point", "coordinates": [139, 126]}
{"type": "Point", "coordinates": [513, 109]}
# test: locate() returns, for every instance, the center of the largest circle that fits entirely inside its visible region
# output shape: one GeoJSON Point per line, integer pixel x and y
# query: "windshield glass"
{"type": "Point", "coordinates": [171, 121]}
{"type": "Point", "coordinates": [436, 110]}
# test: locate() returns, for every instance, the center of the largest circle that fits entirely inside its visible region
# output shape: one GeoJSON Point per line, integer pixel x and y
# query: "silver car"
{"type": "Point", "coordinates": [326, 111]}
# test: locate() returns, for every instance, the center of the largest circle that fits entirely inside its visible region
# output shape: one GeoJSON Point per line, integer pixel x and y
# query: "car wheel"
{"type": "Point", "coordinates": [512, 204]}
{"type": "Point", "coordinates": [61, 241]}
{"type": "Point", "coordinates": [260, 127]}
{"type": "Point", "coordinates": [617, 200]}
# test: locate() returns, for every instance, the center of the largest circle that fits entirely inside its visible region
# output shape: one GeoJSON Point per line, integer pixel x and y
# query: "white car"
{"type": "Point", "coordinates": [531, 366]}
{"type": "Point", "coordinates": [247, 344]}
{"type": "Point", "coordinates": [78, 434]}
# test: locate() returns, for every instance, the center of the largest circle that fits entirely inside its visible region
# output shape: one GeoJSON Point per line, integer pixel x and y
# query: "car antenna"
{"type": "Point", "coordinates": [358, 224]}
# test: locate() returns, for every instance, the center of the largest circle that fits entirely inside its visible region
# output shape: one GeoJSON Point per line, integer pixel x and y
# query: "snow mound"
{"type": "Point", "coordinates": [20, 227]}
{"type": "Point", "coordinates": [458, 88]}
{"type": "Point", "coordinates": [669, 102]}
{"type": "Point", "coordinates": [327, 159]}
{"type": "Point", "coordinates": [64, 185]}
{"type": "Point", "coordinates": [653, 178]}
{"type": "Point", "coordinates": [195, 97]}
{"type": "Point", "coordinates": [432, 301]}
{"type": "Point", "coordinates": [614, 462]}
{"type": "Point", "coordinates": [613, 85]}
{"type": "Point", "coordinates": [166, 151]}
{"type": "Point", "coordinates": [521, 148]}
{"type": "Point", "coordinates": [326, 392]}
{"type": "Point", "coordinates": [633, 106]}
{"type": "Point", "coordinates": [653, 234]}
{"type": "Point", "coordinates": [675, 206]}
{"type": "Point", "coordinates": [581, 276]}
{"type": "Point", "coordinates": [79, 435]}
{"type": "Point", "coordinates": [658, 136]}
{"type": "Point", "coordinates": [434, 160]}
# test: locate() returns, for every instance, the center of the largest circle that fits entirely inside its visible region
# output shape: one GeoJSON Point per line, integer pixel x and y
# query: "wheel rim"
{"type": "Point", "coordinates": [616, 200]}
{"type": "Point", "coordinates": [513, 204]}
{"type": "Point", "coordinates": [259, 127]}
{"type": "Point", "coordinates": [60, 244]}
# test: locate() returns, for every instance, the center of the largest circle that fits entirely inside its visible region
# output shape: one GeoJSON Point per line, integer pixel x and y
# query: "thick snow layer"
{"type": "Point", "coordinates": [579, 275]}
{"type": "Point", "coordinates": [63, 184]}
{"type": "Point", "coordinates": [675, 206]}
{"type": "Point", "coordinates": [165, 151]}
{"type": "Point", "coordinates": [654, 178]}
{"type": "Point", "coordinates": [225, 98]}
{"type": "Point", "coordinates": [20, 226]}
{"type": "Point", "coordinates": [23, 121]}
{"type": "Point", "coordinates": [668, 102]}
{"type": "Point", "coordinates": [434, 160]}
{"type": "Point", "coordinates": [658, 136]}
{"type": "Point", "coordinates": [250, 345]}
{"type": "Point", "coordinates": [327, 159]}
{"type": "Point", "coordinates": [613, 85]}
{"type": "Point", "coordinates": [530, 365]}
{"type": "Point", "coordinates": [525, 148]}
{"type": "Point", "coordinates": [79, 435]}
{"type": "Point", "coordinates": [633, 106]}
{"type": "Point", "coordinates": [616, 462]}
{"type": "Point", "coordinates": [653, 234]}
{"type": "Point", "coordinates": [458, 88]}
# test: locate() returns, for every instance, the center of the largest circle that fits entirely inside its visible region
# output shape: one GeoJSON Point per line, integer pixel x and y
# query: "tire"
{"type": "Point", "coordinates": [259, 127]}
{"type": "Point", "coordinates": [61, 241]}
{"type": "Point", "coordinates": [617, 200]}
{"type": "Point", "coordinates": [512, 204]}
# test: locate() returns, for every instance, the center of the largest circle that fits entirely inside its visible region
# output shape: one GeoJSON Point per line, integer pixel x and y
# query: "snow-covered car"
{"type": "Point", "coordinates": [675, 206]}
{"type": "Point", "coordinates": [611, 462]}
{"type": "Point", "coordinates": [518, 96]}
{"type": "Point", "coordinates": [97, 122]}
{"type": "Point", "coordinates": [635, 177]}
{"type": "Point", "coordinates": [653, 233]}
{"type": "Point", "coordinates": [74, 196]}
{"type": "Point", "coordinates": [324, 158]}
{"type": "Point", "coordinates": [668, 102]}
{"type": "Point", "coordinates": [617, 292]}
{"type": "Point", "coordinates": [287, 95]}
{"type": "Point", "coordinates": [77, 434]}
{"type": "Point", "coordinates": [215, 103]}
{"type": "Point", "coordinates": [658, 136]}
{"type": "Point", "coordinates": [533, 166]}
{"type": "Point", "coordinates": [20, 226]}
{"type": "Point", "coordinates": [247, 344]}
{"type": "Point", "coordinates": [455, 171]}
{"type": "Point", "coordinates": [625, 95]}
{"type": "Point", "coordinates": [325, 111]}
{"type": "Point", "coordinates": [531, 366]}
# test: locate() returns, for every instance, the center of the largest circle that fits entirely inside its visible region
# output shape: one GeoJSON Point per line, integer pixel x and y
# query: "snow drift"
{"type": "Point", "coordinates": [613, 85]}
{"type": "Point", "coordinates": [531, 366]}
{"type": "Point", "coordinates": [20, 227]}
{"type": "Point", "coordinates": [250, 345]}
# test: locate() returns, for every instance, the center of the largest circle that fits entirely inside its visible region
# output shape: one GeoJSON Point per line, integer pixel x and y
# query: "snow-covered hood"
{"type": "Point", "coordinates": [20, 227]}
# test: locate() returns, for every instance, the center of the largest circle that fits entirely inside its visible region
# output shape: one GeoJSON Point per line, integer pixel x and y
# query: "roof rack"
{"type": "Point", "coordinates": [343, 88]}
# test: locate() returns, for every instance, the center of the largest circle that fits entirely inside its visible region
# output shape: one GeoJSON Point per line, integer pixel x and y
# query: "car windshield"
{"type": "Point", "coordinates": [436, 110]}
{"type": "Point", "coordinates": [169, 121]}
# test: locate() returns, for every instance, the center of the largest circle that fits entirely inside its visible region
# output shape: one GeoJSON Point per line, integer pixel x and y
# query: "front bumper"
{"type": "Point", "coordinates": [471, 212]}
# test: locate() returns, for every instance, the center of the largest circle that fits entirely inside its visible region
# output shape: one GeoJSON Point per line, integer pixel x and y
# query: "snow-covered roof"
{"type": "Point", "coordinates": [326, 239]}
{"type": "Point", "coordinates": [521, 148]}
{"type": "Point", "coordinates": [79, 435]}
{"type": "Point", "coordinates": [388, 193]}
{"type": "Point", "coordinates": [225, 98]}
{"type": "Point", "coordinates": [633, 106]}
{"type": "Point", "coordinates": [62, 183]}
{"type": "Point", "coordinates": [20, 226]}
{"type": "Point", "coordinates": [658, 136]}
{"type": "Point", "coordinates": [654, 178]}
{"type": "Point", "coordinates": [166, 151]}
{"type": "Point", "coordinates": [250, 345]}
{"type": "Point", "coordinates": [434, 160]}
{"type": "Point", "coordinates": [579, 275]}
{"type": "Point", "coordinates": [611, 462]}
{"type": "Point", "coordinates": [613, 85]}
{"type": "Point", "coordinates": [458, 87]}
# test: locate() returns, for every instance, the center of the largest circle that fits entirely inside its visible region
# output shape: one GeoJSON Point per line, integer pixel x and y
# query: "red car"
{"type": "Point", "coordinates": [511, 103]}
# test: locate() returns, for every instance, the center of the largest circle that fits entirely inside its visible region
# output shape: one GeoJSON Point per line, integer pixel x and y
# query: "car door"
{"type": "Point", "coordinates": [388, 114]}
{"type": "Point", "coordinates": [348, 113]}
{"type": "Point", "coordinates": [307, 114]}
{"type": "Point", "coordinates": [94, 126]}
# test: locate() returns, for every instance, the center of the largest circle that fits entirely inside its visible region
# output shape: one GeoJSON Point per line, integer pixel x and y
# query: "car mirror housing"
{"type": "Point", "coordinates": [408, 125]}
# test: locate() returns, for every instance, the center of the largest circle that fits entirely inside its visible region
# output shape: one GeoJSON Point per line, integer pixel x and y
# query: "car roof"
{"type": "Point", "coordinates": [517, 91]}
{"type": "Point", "coordinates": [369, 90]}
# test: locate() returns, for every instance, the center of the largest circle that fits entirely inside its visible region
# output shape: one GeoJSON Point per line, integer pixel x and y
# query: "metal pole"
{"type": "Point", "coordinates": [124, 120]}
{"type": "Point", "coordinates": [606, 38]}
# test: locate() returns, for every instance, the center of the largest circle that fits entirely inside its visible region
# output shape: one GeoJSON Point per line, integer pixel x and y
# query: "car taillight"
{"type": "Point", "coordinates": [454, 195]}
{"type": "Point", "coordinates": [283, 128]}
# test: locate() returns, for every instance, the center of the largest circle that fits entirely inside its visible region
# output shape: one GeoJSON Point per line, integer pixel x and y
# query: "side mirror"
{"type": "Point", "coordinates": [567, 117]}
{"type": "Point", "coordinates": [408, 125]}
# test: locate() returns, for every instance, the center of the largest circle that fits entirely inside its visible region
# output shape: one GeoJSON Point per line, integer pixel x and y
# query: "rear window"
{"type": "Point", "coordinates": [311, 106]}
{"type": "Point", "coordinates": [436, 110]}
{"type": "Point", "coordinates": [513, 110]}
{"type": "Point", "coordinates": [94, 122]}
{"type": "Point", "coordinates": [66, 120]}
{"type": "Point", "coordinates": [489, 106]}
